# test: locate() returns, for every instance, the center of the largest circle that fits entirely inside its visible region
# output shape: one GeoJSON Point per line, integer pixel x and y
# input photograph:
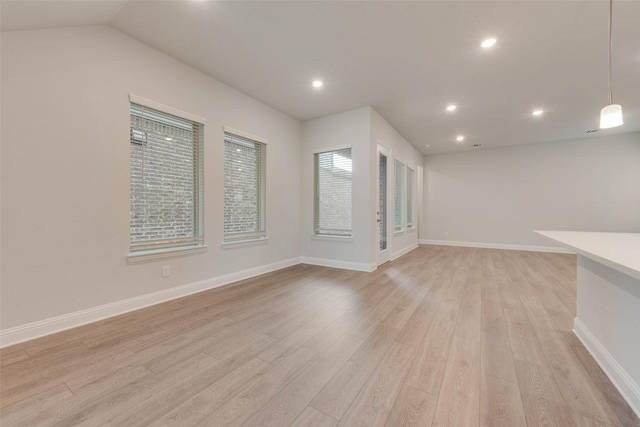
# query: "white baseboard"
{"type": "Point", "coordinates": [52, 325]}
{"type": "Point", "coordinates": [324, 262]}
{"type": "Point", "coordinates": [627, 387]}
{"type": "Point", "coordinates": [531, 248]}
{"type": "Point", "coordinates": [404, 251]}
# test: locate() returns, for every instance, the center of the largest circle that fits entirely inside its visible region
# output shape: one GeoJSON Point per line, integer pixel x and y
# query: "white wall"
{"type": "Point", "coordinates": [384, 134]}
{"type": "Point", "coordinates": [65, 171]}
{"type": "Point", "coordinates": [340, 130]}
{"type": "Point", "coordinates": [499, 196]}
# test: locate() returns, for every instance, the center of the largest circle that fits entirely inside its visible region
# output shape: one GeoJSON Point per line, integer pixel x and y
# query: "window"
{"type": "Point", "coordinates": [398, 176]}
{"type": "Point", "coordinates": [410, 180]}
{"type": "Point", "coordinates": [165, 179]}
{"type": "Point", "coordinates": [244, 188]}
{"type": "Point", "coordinates": [333, 173]}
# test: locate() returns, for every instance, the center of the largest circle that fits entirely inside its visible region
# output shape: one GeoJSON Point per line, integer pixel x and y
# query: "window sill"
{"type": "Point", "coordinates": [165, 253]}
{"type": "Point", "coordinates": [396, 232]}
{"type": "Point", "coordinates": [334, 238]}
{"type": "Point", "coordinates": [245, 242]}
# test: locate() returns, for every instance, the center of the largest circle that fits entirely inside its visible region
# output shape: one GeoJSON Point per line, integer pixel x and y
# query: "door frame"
{"type": "Point", "coordinates": [384, 255]}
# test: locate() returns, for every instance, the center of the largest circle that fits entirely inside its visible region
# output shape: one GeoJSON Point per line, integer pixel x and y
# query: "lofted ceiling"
{"type": "Point", "coordinates": [408, 60]}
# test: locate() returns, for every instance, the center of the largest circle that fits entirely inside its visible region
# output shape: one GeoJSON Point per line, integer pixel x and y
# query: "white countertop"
{"type": "Point", "coordinates": [620, 251]}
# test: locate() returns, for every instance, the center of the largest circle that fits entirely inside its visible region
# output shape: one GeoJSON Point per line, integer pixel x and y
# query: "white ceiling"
{"type": "Point", "coordinates": [407, 60]}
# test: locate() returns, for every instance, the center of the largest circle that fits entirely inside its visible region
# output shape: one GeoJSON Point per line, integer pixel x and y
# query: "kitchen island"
{"type": "Point", "coordinates": [608, 303]}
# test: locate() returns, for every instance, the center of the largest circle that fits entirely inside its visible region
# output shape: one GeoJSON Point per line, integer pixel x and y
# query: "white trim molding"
{"type": "Point", "coordinates": [243, 134]}
{"type": "Point", "coordinates": [335, 263]}
{"type": "Point", "coordinates": [627, 387]}
{"type": "Point", "coordinates": [166, 109]}
{"type": "Point", "coordinates": [511, 247]}
{"type": "Point", "coordinates": [52, 325]}
{"type": "Point", "coordinates": [404, 251]}
{"type": "Point", "coordinates": [152, 254]}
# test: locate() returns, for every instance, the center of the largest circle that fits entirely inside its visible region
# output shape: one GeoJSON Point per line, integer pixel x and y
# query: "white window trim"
{"type": "Point", "coordinates": [152, 254]}
{"type": "Point", "coordinates": [242, 134]}
{"type": "Point", "coordinates": [166, 109]}
{"type": "Point", "coordinates": [403, 195]}
{"type": "Point", "coordinates": [332, 237]}
{"type": "Point", "coordinates": [245, 242]}
{"type": "Point", "coordinates": [335, 236]}
{"type": "Point", "coordinates": [334, 148]}
{"type": "Point", "coordinates": [258, 236]}
{"type": "Point", "coordinates": [149, 254]}
{"type": "Point", "coordinates": [411, 225]}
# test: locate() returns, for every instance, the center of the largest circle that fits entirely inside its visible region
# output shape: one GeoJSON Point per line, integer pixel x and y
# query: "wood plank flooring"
{"type": "Point", "coordinates": [443, 336]}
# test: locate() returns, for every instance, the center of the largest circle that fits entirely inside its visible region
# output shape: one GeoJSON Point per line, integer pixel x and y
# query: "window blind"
{"type": "Point", "coordinates": [410, 181]}
{"type": "Point", "coordinates": [165, 180]}
{"type": "Point", "coordinates": [333, 188]}
{"type": "Point", "coordinates": [244, 188]}
{"type": "Point", "coordinates": [398, 175]}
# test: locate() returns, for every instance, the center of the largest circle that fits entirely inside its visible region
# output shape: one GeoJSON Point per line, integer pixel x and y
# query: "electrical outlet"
{"type": "Point", "coordinates": [166, 271]}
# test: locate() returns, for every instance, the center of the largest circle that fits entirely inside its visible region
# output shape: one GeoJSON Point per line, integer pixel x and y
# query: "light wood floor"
{"type": "Point", "coordinates": [442, 336]}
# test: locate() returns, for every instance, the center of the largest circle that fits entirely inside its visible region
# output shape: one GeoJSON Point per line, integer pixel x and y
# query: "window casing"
{"type": "Point", "coordinates": [410, 183]}
{"type": "Point", "coordinates": [244, 188]}
{"type": "Point", "coordinates": [398, 185]}
{"type": "Point", "coordinates": [166, 165]}
{"type": "Point", "coordinates": [333, 193]}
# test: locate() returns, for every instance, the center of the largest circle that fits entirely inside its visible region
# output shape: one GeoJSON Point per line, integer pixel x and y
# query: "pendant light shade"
{"type": "Point", "coordinates": [611, 116]}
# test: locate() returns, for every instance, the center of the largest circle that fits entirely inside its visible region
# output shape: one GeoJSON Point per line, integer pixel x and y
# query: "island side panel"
{"type": "Point", "coordinates": [608, 323]}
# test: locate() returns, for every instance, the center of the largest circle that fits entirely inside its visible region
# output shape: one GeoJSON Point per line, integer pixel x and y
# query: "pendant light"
{"type": "Point", "coordinates": [611, 115]}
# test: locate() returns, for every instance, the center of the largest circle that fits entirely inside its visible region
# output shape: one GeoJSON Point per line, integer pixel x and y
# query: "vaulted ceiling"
{"type": "Point", "coordinates": [408, 60]}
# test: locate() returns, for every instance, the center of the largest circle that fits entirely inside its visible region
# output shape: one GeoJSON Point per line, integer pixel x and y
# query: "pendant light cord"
{"type": "Point", "coordinates": [610, 48]}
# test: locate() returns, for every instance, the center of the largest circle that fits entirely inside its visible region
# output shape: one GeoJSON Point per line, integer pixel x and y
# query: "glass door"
{"type": "Point", "coordinates": [382, 216]}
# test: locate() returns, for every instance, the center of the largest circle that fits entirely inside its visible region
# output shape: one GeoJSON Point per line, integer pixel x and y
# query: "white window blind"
{"type": "Point", "coordinates": [333, 175]}
{"type": "Point", "coordinates": [410, 181]}
{"type": "Point", "coordinates": [244, 188]}
{"type": "Point", "coordinates": [165, 179]}
{"type": "Point", "coordinates": [398, 175]}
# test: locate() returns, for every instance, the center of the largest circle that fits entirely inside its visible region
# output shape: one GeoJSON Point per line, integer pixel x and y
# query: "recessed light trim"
{"type": "Point", "coordinates": [488, 43]}
{"type": "Point", "coordinates": [451, 107]}
{"type": "Point", "coordinates": [459, 138]}
{"type": "Point", "coordinates": [317, 83]}
{"type": "Point", "coordinates": [537, 112]}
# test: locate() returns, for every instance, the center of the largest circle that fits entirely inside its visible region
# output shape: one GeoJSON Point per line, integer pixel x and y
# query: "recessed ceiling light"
{"type": "Point", "coordinates": [169, 139]}
{"type": "Point", "coordinates": [427, 146]}
{"type": "Point", "coordinates": [317, 83]}
{"type": "Point", "coordinates": [459, 138]}
{"type": "Point", "coordinates": [537, 112]}
{"type": "Point", "coordinates": [451, 107]}
{"type": "Point", "coordinates": [238, 150]}
{"type": "Point", "coordinates": [488, 43]}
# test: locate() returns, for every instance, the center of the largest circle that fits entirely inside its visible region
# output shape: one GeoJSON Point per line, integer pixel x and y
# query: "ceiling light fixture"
{"type": "Point", "coordinates": [611, 115]}
{"type": "Point", "coordinates": [537, 112]}
{"type": "Point", "coordinates": [488, 43]}
{"type": "Point", "coordinates": [451, 107]}
{"type": "Point", "coordinates": [460, 138]}
{"type": "Point", "coordinates": [317, 83]}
